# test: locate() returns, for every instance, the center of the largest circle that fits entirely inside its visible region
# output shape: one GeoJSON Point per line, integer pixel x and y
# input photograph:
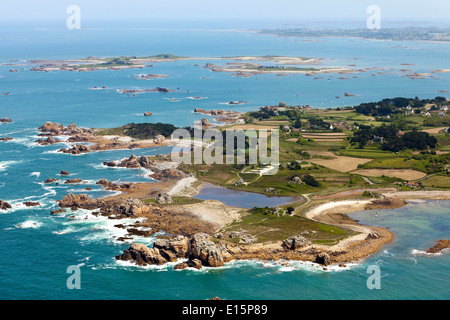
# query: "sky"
{"type": "Point", "coordinates": [297, 12]}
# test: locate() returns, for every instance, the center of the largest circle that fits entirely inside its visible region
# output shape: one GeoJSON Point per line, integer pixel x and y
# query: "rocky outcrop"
{"type": "Point", "coordinates": [440, 246]}
{"type": "Point", "coordinates": [205, 123]}
{"type": "Point", "coordinates": [142, 255]}
{"type": "Point", "coordinates": [50, 180]}
{"type": "Point", "coordinates": [48, 141]}
{"type": "Point", "coordinates": [73, 181]}
{"type": "Point", "coordinates": [163, 198]}
{"type": "Point", "coordinates": [323, 259]}
{"type": "Point", "coordinates": [296, 242]}
{"type": "Point", "coordinates": [168, 174]}
{"type": "Point", "coordinates": [56, 129]}
{"type": "Point", "coordinates": [296, 180]}
{"type": "Point", "coordinates": [131, 207]}
{"type": "Point", "coordinates": [147, 114]}
{"type": "Point", "coordinates": [207, 252]}
{"type": "Point", "coordinates": [198, 250]}
{"type": "Point", "coordinates": [6, 139]}
{"type": "Point", "coordinates": [4, 205]}
{"type": "Point", "coordinates": [76, 149]}
{"type": "Point", "coordinates": [159, 139]}
{"type": "Point", "coordinates": [31, 204]}
{"type": "Point", "coordinates": [132, 162]}
{"type": "Point", "coordinates": [112, 164]}
{"type": "Point", "coordinates": [57, 211]}
{"type": "Point", "coordinates": [5, 120]}
{"type": "Point", "coordinates": [178, 245]}
{"type": "Point", "coordinates": [113, 186]}
{"type": "Point", "coordinates": [79, 201]}
{"type": "Point", "coordinates": [64, 173]}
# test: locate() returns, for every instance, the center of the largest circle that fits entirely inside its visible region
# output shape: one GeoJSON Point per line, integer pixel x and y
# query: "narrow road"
{"type": "Point", "coordinates": [368, 181]}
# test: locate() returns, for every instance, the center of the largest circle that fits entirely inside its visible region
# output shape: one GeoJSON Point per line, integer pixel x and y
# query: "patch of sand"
{"type": "Point", "coordinates": [434, 130]}
{"type": "Point", "coordinates": [215, 212]}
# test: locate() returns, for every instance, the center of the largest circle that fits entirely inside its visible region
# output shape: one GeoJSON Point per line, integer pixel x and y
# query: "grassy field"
{"type": "Point", "coordinates": [437, 181]}
{"type": "Point", "coordinates": [272, 228]}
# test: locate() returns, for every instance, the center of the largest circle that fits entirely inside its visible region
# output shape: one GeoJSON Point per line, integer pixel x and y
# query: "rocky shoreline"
{"type": "Point", "coordinates": [82, 136]}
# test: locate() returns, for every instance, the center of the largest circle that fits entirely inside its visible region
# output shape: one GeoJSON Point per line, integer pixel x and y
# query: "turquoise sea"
{"type": "Point", "coordinates": [35, 256]}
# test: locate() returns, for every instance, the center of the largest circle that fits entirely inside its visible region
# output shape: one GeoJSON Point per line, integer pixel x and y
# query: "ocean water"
{"type": "Point", "coordinates": [37, 248]}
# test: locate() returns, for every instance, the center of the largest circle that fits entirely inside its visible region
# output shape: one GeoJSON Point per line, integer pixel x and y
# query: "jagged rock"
{"type": "Point", "coordinates": [64, 173]}
{"type": "Point", "coordinates": [78, 201]}
{"type": "Point", "coordinates": [164, 198]}
{"type": "Point", "coordinates": [31, 204]}
{"type": "Point", "coordinates": [189, 264]}
{"type": "Point", "coordinates": [441, 245]}
{"type": "Point", "coordinates": [168, 174]}
{"type": "Point", "coordinates": [235, 234]}
{"type": "Point", "coordinates": [52, 128]}
{"type": "Point", "coordinates": [76, 149]}
{"type": "Point", "coordinates": [297, 180]}
{"type": "Point", "coordinates": [199, 251]}
{"type": "Point", "coordinates": [55, 212]}
{"type": "Point", "coordinates": [205, 123]}
{"type": "Point", "coordinates": [159, 139]}
{"type": "Point", "coordinates": [323, 259]}
{"type": "Point", "coordinates": [6, 139]}
{"type": "Point", "coordinates": [160, 89]}
{"type": "Point", "coordinates": [5, 120]}
{"type": "Point", "coordinates": [131, 162]}
{"type": "Point", "coordinates": [206, 251]}
{"type": "Point", "coordinates": [72, 181]}
{"type": "Point", "coordinates": [179, 245]}
{"type": "Point", "coordinates": [373, 235]}
{"type": "Point", "coordinates": [48, 141]}
{"type": "Point", "coordinates": [131, 207]}
{"type": "Point", "coordinates": [50, 180]}
{"type": "Point", "coordinates": [247, 238]}
{"type": "Point", "coordinates": [296, 242]}
{"type": "Point", "coordinates": [142, 255]}
{"type": "Point", "coordinates": [4, 205]}
{"type": "Point", "coordinates": [181, 266]}
{"type": "Point", "coordinates": [110, 163]}
{"type": "Point", "coordinates": [148, 114]}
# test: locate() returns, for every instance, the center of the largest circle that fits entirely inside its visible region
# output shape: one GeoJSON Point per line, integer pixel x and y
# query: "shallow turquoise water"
{"type": "Point", "coordinates": [34, 258]}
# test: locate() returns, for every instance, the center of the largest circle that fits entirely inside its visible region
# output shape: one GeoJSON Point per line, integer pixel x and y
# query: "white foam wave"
{"type": "Point", "coordinates": [416, 252]}
{"type": "Point", "coordinates": [36, 174]}
{"type": "Point", "coordinates": [29, 224]}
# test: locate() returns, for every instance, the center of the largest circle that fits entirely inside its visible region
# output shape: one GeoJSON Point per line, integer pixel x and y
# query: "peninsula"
{"type": "Point", "coordinates": [368, 157]}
